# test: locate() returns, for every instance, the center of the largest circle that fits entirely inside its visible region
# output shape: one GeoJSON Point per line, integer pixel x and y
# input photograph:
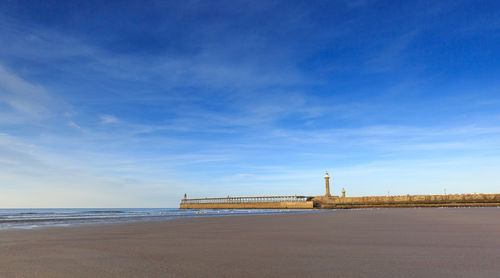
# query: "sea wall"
{"type": "Point", "coordinates": [266, 205]}
{"type": "Point", "coordinates": [408, 201]}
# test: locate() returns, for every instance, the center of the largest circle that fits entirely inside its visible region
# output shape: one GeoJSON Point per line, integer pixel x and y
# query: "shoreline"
{"type": "Point", "coordinates": [154, 219]}
{"type": "Point", "coordinates": [404, 242]}
{"type": "Point", "coordinates": [36, 218]}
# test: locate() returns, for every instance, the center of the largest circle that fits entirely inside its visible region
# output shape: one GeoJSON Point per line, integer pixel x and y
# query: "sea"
{"type": "Point", "coordinates": [38, 218]}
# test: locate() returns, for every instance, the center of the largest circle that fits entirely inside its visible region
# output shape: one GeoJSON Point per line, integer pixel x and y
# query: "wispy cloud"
{"type": "Point", "coordinates": [391, 55]}
{"type": "Point", "coordinates": [108, 119]}
{"type": "Point", "coordinates": [22, 96]}
{"type": "Point", "coordinates": [74, 125]}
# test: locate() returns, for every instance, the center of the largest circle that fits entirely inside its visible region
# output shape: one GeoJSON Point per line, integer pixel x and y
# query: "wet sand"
{"type": "Point", "coordinates": [426, 242]}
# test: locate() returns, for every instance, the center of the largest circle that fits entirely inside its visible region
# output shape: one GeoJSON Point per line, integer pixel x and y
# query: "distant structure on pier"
{"type": "Point", "coordinates": [328, 201]}
{"type": "Point", "coordinates": [327, 183]}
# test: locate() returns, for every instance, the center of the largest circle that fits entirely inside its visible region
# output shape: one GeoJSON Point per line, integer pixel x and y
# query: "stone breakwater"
{"type": "Point", "coordinates": [336, 202]}
{"type": "Point", "coordinates": [451, 200]}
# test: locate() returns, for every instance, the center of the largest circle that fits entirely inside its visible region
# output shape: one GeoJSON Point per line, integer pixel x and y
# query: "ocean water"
{"type": "Point", "coordinates": [36, 218]}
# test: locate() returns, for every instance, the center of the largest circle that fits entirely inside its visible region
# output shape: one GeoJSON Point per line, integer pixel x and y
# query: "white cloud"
{"type": "Point", "coordinates": [109, 119]}
{"type": "Point", "coordinates": [24, 97]}
{"type": "Point", "coordinates": [74, 125]}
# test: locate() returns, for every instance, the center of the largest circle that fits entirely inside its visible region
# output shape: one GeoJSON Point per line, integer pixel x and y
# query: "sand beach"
{"type": "Point", "coordinates": [425, 242]}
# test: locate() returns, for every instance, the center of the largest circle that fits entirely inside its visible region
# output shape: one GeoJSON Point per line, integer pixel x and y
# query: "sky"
{"type": "Point", "coordinates": [133, 103]}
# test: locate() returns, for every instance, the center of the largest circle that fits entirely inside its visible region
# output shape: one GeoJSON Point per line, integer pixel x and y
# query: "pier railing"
{"type": "Point", "coordinates": [244, 200]}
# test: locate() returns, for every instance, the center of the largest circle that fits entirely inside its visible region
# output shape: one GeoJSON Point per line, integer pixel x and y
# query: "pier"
{"type": "Point", "coordinates": [329, 201]}
{"type": "Point", "coordinates": [249, 202]}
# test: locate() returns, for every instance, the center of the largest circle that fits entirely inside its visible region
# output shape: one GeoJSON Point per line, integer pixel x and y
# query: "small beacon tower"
{"type": "Point", "coordinates": [327, 182]}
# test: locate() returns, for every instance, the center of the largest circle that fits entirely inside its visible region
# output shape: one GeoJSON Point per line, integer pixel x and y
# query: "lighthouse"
{"type": "Point", "coordinates": [327, 182]}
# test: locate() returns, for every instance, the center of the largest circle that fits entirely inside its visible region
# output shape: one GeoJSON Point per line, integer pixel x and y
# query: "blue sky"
{"type": "Point", "coordinates": [133, 104]}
